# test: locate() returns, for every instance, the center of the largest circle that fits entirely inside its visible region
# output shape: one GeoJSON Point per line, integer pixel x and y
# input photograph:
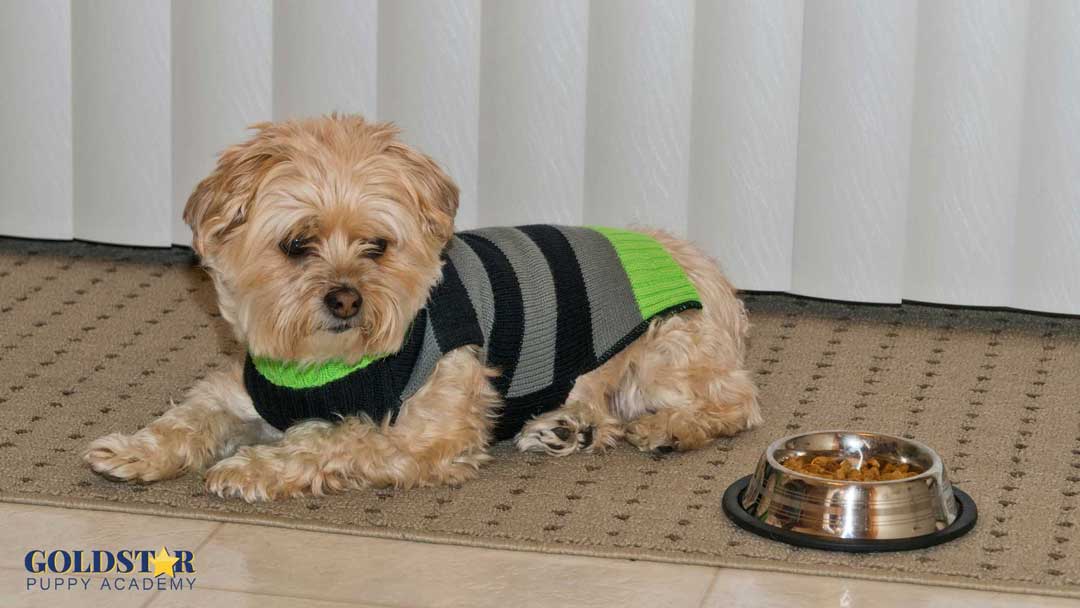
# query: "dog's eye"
{"type": "Point", "coordinates": [297, 247]}
{"type": "Point", "coordinates": [376, 248]}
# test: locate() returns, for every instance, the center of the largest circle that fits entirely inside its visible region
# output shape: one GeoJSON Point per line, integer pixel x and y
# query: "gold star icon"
{"type": "Point", "coordinates": [163, 562]}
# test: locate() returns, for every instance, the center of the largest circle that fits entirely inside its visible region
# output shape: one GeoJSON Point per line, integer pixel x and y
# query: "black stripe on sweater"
{"type": "Point", "coordinates": [455, 323]}
{"type": "Point", "coordinates": [573, 336]}
{"type": "Point", "coordinates": [504, 343]}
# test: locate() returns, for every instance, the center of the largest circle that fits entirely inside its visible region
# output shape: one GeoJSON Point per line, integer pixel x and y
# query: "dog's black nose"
{"type": "Point", "coordinates": [343, 302]}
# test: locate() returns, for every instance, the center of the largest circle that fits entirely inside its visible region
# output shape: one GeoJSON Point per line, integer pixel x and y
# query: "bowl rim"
{"type": "Point", "coordinates": [936, 468]}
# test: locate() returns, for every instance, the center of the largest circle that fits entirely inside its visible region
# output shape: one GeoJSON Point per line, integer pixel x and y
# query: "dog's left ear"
{"type": "Point", "coordinates": [434, 191]}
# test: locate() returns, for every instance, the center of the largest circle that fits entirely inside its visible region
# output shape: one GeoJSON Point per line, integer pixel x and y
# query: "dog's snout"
{"type": "Point", "coordinates": [343, 302]}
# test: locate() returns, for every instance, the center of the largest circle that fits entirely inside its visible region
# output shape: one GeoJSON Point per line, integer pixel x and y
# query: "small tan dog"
{"type": "Point", "coordinates": [325, 239]}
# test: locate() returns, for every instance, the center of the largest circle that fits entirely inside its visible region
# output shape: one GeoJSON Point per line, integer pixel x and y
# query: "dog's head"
{"type": "Point", "coordinates": [323, 237]}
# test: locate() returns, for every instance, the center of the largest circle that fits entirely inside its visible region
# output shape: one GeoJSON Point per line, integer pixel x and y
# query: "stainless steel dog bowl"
{"type": "Point", "coordinates": [805, 510]}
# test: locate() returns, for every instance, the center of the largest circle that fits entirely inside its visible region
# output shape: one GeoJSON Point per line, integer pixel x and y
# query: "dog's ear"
{"type": "Point", "coordinates": [220, 203]}
{"type": "Point", "coordinates": [432, 188]}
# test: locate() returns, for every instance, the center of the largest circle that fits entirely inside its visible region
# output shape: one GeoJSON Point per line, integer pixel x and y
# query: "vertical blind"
{"type": "Point", "coordinates": [866, 151]}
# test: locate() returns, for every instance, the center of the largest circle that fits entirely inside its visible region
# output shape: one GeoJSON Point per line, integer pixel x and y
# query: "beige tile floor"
{"type": "Point", "coordinates": [240, 565]}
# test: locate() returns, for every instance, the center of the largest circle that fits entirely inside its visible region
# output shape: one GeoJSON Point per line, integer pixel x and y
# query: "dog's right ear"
{"type": "Point", "coordinates": [220, 203]}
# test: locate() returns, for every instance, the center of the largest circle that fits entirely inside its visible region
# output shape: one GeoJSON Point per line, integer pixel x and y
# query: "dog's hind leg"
{"type": "Point", "coordinates": [214, 419]}
{"type": "Point", "coordinates": [686, 408]}
{"type": "Point", "coordinates": [679, 392]}
{"type": "Point", "coordinates": [685, 382]}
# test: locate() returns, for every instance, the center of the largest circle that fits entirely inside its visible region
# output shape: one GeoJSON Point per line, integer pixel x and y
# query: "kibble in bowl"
{"type": "Point", "coordinates": [850, 468]}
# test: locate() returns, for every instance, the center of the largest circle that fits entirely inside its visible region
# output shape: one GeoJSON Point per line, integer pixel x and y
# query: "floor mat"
{"type": "Point", "coordinates": [95, 339]}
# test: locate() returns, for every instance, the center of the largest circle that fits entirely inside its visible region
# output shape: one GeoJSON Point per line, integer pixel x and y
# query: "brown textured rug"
{"type": "Point", "coordinates": [96, 339]}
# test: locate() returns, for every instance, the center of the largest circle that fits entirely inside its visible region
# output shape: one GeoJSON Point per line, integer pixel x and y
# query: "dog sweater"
{"type": "Point", "coordinates": [544, 305]}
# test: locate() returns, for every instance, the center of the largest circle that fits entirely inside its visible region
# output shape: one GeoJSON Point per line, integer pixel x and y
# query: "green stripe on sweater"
{"type": "Point", "coordinates": [657, 280]}
{"type": "Point", "coordinates": [294, 375]}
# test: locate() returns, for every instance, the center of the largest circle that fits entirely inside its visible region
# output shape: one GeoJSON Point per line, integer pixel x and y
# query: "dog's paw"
{"type": "Point", "coordinates": [560, 434]}
{"type": "Point", "coordinates": [243, 477]}
{"type": "Point", "coordinates": [264, 473]}
{"type": "Point", "coordinates": [666, 431]}
{"type": "Point", "coordinates": [649, 438]}
{"type": "Point", "coordinates": [235, 478]}
{"type": "Point", "coordinates": [137, 457]}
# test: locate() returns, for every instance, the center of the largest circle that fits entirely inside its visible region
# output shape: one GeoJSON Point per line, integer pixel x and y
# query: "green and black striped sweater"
{"type": "Point", "coordinates": [546, 304]}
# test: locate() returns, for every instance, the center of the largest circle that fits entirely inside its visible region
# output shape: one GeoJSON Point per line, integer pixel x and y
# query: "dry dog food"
{"type": "Point", "coordinates": [848, 469]}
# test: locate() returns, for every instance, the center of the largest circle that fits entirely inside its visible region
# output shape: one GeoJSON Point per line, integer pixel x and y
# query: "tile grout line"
{"type": "Point", "coordinates": [222, 525]}
{"type": "Point", "coordinates": [154, 596]}
{"type": "Point", "coordinates": [213, 532]}
{"type": "Point", "coordinates": [710, 588]}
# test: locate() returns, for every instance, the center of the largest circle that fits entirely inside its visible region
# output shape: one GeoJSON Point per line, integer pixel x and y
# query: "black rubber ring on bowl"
{"type": "Point", "coordinates": [965, 521]}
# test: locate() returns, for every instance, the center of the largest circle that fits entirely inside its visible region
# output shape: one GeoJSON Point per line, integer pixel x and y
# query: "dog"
{"type": "Point", "coordinates": [329, 240]}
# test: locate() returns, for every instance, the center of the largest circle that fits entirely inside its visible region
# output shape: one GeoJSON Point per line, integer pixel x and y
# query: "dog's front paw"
{"type": "Point", "coordinates": [137, 457]}
{"type": "Point", "coordinates": [263, 473]}
{"type": "Point", "coordinates": [241, 476]}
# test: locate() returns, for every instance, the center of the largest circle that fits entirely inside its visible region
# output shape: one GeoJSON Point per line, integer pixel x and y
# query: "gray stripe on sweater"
{"type": "Point", "coordinates": [425, 362]}
{"type": "Point", "coordinates": [536, 363]}
{"type": "Point", "coordinates": [477, 284]}
{"type": "Point", "coordinates": [619, 314]}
